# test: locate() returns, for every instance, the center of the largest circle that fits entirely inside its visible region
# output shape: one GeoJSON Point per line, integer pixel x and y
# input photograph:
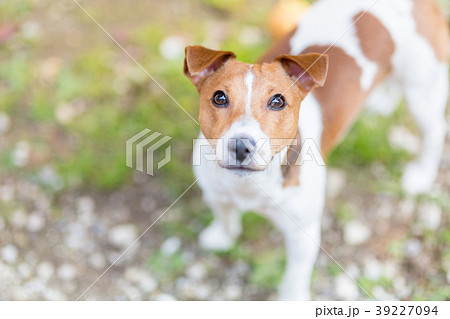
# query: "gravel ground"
{"type": "Point", "coordinates": [55, 241]}
{"type": "Point", "coordinates": [54, 248]}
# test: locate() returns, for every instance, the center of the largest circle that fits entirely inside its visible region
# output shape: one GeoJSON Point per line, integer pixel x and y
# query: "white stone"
{"type": "Point", "coordinates": [196, 271]}
{"type": "Point", "coordinates": [4, 123]}
{"type": "Point", "coordinates": [401, 287]}
{"type": "Point", "coordinates": [36, 222]}
{"type": "Point", "coordinates": [233, 292]}
{"type": "Point", "coordinates": [430, 215]}
{"type": "Point", "coordinates": [21, 154]}
{"type": "Point", "coordinates": [346, 288]}
{"type": "Point", "coordinates": [19, 218]}
{"type": "Point", "coordinates": [356, 233]}
{"type": "Point", "coordinates": [147, 284]}
{"type": "Point", "coordinates": [165, 297]}
{"type": "Point", "coordinates": [45, 270]}
{"type": "Point", "coordinates": [170, 246]}
{"type": "Point", "coordinates": [24, 270]}
{"type": "Point", "coordinates": [336, 180]}
{"type": "Point", "coordinates": [413, 248]}
{"type": "Point", "coordinates": [53, 294]}
{"type": "Point", "coordinates": [389, 269]}
{"type": "Point", "coordinates": [381, 295]}
{"type": "Point", "coordinates": [373, 269]}
{"type": "Point", "coordinates": [172, 48]}
{"type": "Point", "coordinates": [202, 291]}
{"type": "Point", "coordinates": [49, 177]}
{"type": "Point", "coordinates": [10, 253]}
{"type": "Point", "coordinates": [401, 138]}
{"type": "Point", "coordinates": [132, 293]}
{"type": "Point", "coordinates": [6, 193]}
{"type": "Point", "coordinates": [122, 236]}
{"type": "Point", "coordinates": [97, 261]}
{"type": "Point", "coordinates": [67, 272]}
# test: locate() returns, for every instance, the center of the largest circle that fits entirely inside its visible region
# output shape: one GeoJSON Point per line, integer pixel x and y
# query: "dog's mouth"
{"type": "Point", "coordinates": [243, 170]}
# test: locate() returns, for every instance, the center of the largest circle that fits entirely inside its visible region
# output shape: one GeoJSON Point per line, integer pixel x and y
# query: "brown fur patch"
{"type": "Point", "coordinates": [432, 25]}
{"type": "Point", "coordinates": [374, 39]}
{"type": "Point", "coordinates": [341, 98]}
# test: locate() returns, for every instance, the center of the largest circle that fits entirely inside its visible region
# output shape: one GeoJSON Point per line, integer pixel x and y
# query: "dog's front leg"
{"type": "Point", "coordinates": [223, 230]}
{"type": "Point", "coordinates": [302, 246]}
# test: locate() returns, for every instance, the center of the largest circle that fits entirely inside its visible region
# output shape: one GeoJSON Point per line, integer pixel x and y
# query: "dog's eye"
{"type": "Point", "coordinates": [277, 102]}
{"type": "Point", "coordinates": [219, 99]}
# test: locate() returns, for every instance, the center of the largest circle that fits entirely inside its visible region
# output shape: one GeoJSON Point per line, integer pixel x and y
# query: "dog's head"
{"type": "Point", "coordinates": [249, 113]}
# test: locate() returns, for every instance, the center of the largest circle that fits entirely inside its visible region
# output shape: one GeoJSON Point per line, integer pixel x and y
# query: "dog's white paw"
{"type": "Point", "coordinates": [214, 237]}
{"type": "Point", "coordinates": [417, 179]}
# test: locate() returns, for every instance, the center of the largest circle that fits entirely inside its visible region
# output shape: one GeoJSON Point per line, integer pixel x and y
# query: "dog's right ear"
{"type": "Point", "coordinates": [201, 62]}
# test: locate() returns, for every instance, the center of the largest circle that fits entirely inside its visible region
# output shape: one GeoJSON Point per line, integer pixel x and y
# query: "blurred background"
{"type": "Point", "coordinates": [69, 206]}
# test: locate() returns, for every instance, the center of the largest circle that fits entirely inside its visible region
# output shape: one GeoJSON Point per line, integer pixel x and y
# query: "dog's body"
{"type": "Point", "coordinates": [398, 48]}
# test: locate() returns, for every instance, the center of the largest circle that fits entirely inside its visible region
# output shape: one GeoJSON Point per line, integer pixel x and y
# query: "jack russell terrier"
{"type": "Point", "coordinates": [255, 118]}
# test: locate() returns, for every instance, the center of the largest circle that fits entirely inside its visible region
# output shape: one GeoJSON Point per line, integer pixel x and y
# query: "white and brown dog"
{"type": "Point", "coordinates": [252, 115]}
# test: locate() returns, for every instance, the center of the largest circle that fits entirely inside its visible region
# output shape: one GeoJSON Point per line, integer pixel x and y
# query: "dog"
{"type": "Point", "coordinates": [308, 89]}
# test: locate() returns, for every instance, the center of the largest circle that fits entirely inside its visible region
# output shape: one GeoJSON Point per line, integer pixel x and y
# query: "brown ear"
{"type": "Point", "coordinates": [308, 70]}
{"type": "Point", "coordinates": [201, 62]}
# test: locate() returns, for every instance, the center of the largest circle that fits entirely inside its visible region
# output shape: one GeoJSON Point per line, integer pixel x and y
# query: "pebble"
{"type": "Point", "coordinates": [202, 291]}
{"type": "Point", "coordinates": [4, 123]}
{"type": "Point", "coordinates": [233, 292]}
{"type": "Point", "coordinates": [413, 248]}
{"type": "Point", "coordinates": [45, 270]}
{"type": "Point", "coordinates": [10, 253]}
{"type": "Point", "coordinates": [97, 260]}
{"type": "Point", "coordinates": [147, 284]}
{"type": "Point", "coordinates": [346, 288]}
{"type": "Point", "coordinates": [24, 270]}
{"type": "Point", "coordinates": [6, 193]}
{"type": "Point", "coordinates": [53, 294]}
{"type": "Point", "coordinates": [36, 222]}
{"type": "Point", "coordinates": [336, 181]}
{"type": "Point", "coordinates": [49, 177]}
{"type": "Point", "coordinates": [389, 269]}
{"type": "Point", "coordinates": [170, 246]}
{"type": "Point", "coordinates": [196, 271]}
{"type": "Point", "coordinates": [356, 233]}
{"type": "Point", "coordinates": [373, 269]}
{"type": "Point", "coordinates": [430, 215]}
{"type": "Point", "coordinates": [381, 295]}
{"type": "Point", "coordinates": [132, 293]}
{"type": "Point", "coordinates": [19, 219]}
{"type": "Point", "coordinates": [122, 236]}
{"type": "Point", "coordinates": [401, 287]}
{"type": "Point", "coordinates": [67, 272]}
{"type": "Point", "coordinates": [165, 297]}
{"type": "Point", "coordinates": [21, 154]}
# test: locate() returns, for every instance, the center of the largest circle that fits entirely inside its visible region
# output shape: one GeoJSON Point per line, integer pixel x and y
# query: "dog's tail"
{"type": "Point", "coordinates": [284, 16]}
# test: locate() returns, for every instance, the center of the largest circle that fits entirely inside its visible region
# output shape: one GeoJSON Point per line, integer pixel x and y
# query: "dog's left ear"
{"type": "Point", "coordinates": [308, 70]}
{"type": "Point", "coordinates": [201, 62]}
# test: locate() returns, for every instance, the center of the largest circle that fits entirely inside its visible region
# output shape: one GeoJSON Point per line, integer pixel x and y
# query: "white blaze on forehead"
{"type": "Point", "coordinates": [249, 78]}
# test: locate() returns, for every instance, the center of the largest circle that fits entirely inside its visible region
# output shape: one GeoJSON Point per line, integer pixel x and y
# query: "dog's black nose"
{"type": "Point", "coordinates": [244, 147]}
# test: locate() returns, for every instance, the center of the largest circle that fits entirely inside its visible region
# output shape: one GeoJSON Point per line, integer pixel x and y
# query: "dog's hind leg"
{"type": "Point", "coordinates": [426, 98]}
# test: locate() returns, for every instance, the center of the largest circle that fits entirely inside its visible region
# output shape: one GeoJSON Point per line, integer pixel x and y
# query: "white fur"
{"type": "Point", "coordinates": [249, 84]}
{"type": "Point", "coordinates": [418, 74]}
